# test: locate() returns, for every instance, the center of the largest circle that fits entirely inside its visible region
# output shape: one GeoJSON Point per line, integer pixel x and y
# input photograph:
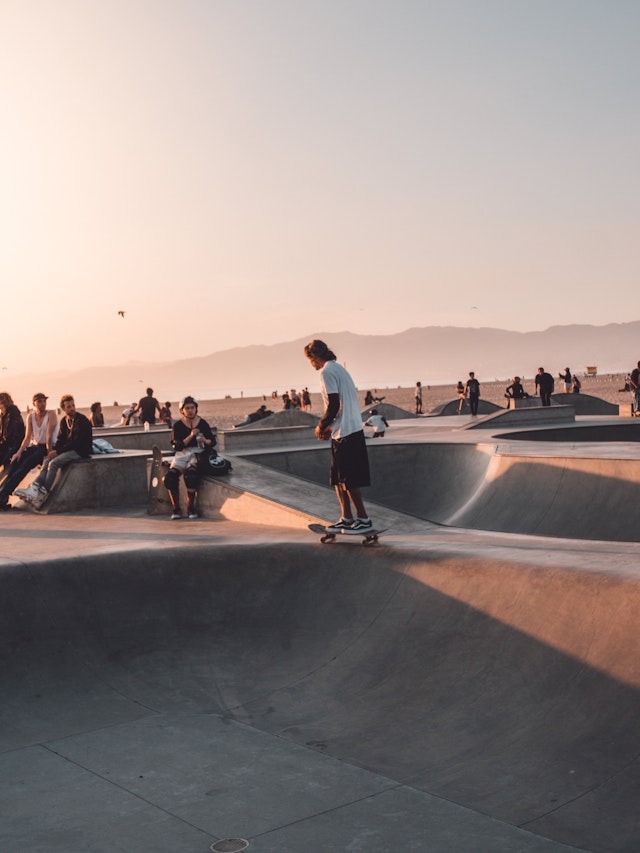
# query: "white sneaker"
{"type": "Point", "coordinates": [29, 494]}
{"type": "Point", "coordinates": [175, 516]}
{"type": "Point", "coordinates": [40, 498]}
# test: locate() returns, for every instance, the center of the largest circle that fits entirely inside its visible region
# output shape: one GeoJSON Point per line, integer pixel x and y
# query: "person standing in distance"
{"type": "Point", "coordinates": [545, 383]}
{"type": "Point", "coordinates": [342, 424]}
{"type": "Point", "coordinates": [473, 390]}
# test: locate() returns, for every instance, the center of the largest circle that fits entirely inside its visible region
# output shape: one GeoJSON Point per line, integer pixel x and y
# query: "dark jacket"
{"type": "Point", "coordinates": [180, 435]}
{"type": "Point", "coordinates": [11, 433]}
{"type": "Point", "coordinates": [78, 437]}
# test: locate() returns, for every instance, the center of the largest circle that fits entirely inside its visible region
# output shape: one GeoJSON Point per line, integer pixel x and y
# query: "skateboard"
{"type": "Point", "coordinates": [368, 538]}
{"type": "Point", "coordinates": [155, 480]}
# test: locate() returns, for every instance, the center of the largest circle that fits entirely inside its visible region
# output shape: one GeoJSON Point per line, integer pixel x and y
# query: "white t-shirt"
{"type": "Point", "coordinates": [377, 423]}
{"type": "Point", "coordinates": [334, 379]}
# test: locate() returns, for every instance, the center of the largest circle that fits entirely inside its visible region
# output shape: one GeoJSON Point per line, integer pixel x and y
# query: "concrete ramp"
{"type": "Point", "coordinates": [388, 411]}
{"type": "Point", "coordinates": [487, 487]}
{"type": "Point", "coordinates": [420, 697]}
{"type": "Point", "coordinates": [586, 404]}
{"type": "Point", "coordinates": [285, 418]}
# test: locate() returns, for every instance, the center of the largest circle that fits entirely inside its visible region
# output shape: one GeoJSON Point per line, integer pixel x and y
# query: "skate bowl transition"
{"type": "Point", "coordinates": [471, 684]}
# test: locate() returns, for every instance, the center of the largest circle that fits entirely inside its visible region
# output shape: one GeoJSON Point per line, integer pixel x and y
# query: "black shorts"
{"type": "Point", "coordinates": [349, 461]}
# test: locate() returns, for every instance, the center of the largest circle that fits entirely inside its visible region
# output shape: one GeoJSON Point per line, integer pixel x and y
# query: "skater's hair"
{"type": "Point", "coordinates": [65, 399]}
{"type": "Point", "coordinates": [320, 350]}
{"type": "Point", "coordinates": [95, 407]}
{"type": "Point", "coordinates": [149, 391]}
{"type": "Point", "coordinates": [6, 399]}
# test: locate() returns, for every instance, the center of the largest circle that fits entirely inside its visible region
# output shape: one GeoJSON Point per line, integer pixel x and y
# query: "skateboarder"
{"type": "Point", "coordinates": [342, 424]}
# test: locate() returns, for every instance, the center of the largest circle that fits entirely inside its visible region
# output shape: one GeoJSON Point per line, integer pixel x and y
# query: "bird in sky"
{"type": "Point", "coordinates": [121, 314]}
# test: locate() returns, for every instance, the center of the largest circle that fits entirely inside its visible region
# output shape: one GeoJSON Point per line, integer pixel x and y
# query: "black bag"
{"type": "Point", "coordinates": [212, 465]}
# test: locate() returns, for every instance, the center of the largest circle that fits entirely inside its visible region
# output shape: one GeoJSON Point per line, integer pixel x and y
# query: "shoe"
{"type": "Point", "coordinates": [193, 515]}
{"type": "Point", "coordinates": [29, 494]}
{"type": "Point", "coordinates": [360, 525]}
{"type": "Point", "coordinates": [40, 498]}
{"type": "Point", "coordinates": [175, 516]}
{"type": "Point", "coordinates": [339, 526]}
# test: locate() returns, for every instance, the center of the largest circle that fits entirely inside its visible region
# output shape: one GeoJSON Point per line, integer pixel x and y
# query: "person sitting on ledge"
{"type": "Point", "coordinates": [515, 391]}
{"type": "Point", "coordinates": [97, 418]}
{"type": "Point", "coordinates": [252, 417]}
{"type": "Point", "coordinates": [190, 437]}
{"type": "Point", "coordinates": [74, 442]}
{"type": "Point", "coordinates": [11, 429]}
{"type": "Point", "coordinates": [42, 430]}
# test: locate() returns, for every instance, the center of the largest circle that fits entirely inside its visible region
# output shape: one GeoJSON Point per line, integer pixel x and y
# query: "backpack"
{"type": "Point", "coordinates": [212, 465]}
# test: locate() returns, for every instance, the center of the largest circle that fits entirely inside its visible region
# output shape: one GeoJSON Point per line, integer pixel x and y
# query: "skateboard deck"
{"type": "Point", "coordinates": [155, 480]}
{"type": "Point", "coordinates": [368, 538]}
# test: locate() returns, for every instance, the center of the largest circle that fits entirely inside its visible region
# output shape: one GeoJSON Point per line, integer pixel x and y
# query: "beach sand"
{"type": "Point", "coordinates": [224, 413]}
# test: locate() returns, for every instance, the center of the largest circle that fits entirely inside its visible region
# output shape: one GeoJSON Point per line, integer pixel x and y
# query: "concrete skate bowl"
{"type": "Point", "coordinates": [145, 690]}
{"type": "Point", "coordinates": [483, 488]}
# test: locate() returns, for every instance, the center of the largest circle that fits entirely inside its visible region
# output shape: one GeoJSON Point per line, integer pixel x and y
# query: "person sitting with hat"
{"type": "Point", "coordinates": [42, 430]}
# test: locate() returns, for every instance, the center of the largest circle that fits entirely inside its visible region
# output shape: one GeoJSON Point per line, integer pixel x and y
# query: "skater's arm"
{"type": "Point", "coordinates": [330, 414]}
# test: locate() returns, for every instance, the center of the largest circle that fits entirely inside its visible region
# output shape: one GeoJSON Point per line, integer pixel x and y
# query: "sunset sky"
{"type": "Point", "coordinates": [254, 171]}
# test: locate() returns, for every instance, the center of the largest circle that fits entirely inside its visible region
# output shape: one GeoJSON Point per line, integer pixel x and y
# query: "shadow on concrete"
{"type": "Point", "coordinates": [476, 681]}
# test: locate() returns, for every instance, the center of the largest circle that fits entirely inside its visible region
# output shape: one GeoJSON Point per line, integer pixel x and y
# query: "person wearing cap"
{"type": "Point", "coordinates": [42, 430]}
{"type": "Point", "coordinates": [11, 428]}
{"type": "Point", "coordinates": [190, 437]}
{"type": "Point", "coordinates": [74, 442]}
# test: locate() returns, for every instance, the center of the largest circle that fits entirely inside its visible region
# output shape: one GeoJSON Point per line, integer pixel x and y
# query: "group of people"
{"type": "Point", "coordinates": [144, 412]}
{"type": "Point", "coordinates": [468, 391]}
{"type": "Point", "coordinates": [544, 385]}
{"type": "Point", "coordinates": [44, 441]}
{"type": "Point", "coordinates": [53, 444]}
{"type": "Point", "coordinates": [292, 400]}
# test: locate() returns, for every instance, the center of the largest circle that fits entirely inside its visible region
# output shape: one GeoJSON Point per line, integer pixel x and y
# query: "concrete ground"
{"type": "Point", "coordinates": [466, 685]}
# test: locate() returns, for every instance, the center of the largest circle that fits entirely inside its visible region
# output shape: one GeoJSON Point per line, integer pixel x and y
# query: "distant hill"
{"type": "Point", "coordinates": [434, 354]}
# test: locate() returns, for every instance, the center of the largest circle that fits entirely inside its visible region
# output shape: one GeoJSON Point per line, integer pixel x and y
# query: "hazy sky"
{"type": "Point", "coordinates": [252, 171]}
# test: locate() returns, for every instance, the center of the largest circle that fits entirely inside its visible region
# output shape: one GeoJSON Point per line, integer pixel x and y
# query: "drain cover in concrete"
{"type": "Point", "coordinates": [229, 845]}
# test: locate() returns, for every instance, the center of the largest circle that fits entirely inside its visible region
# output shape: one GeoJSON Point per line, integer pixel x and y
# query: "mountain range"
{"type": "Point", "coordinates": [433, 355]}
